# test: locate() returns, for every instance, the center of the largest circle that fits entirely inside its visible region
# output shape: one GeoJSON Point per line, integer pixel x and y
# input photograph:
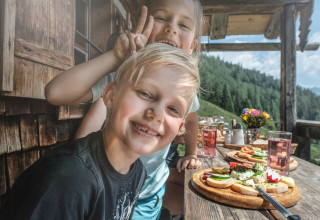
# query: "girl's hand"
{"type": "Point", "coordinates": [129, 43]}
{"type": "Point", "coordinates": [188, 161]}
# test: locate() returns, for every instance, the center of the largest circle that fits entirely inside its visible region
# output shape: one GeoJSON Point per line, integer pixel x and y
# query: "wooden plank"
{"type": "Point", "coordinates": [47, 130]}
{"type": "Point", "coordinates": [29, 131]}
{"type": "Point", "coordinates": [12, 134]}
{"type": "Point", "coordinates": [7, 45]}
{"type": "Point", "coordinates": [122, 11]}
{"type": "Point", "coordinates": [288, 113]}
{"type": "Point", "coordinates": [3, 183]}
{"type": "Point", "coordinates": [253, 46]}
{"type": "Point", "coordinates": [273, 29]}
{"type": "Point", "coordinates": [252, 24]}
{"type": "Point", "coordinates": [219, 23]}
{"type": "Point", "coordinates": [42, 55]}
{"type": "Point", "coordinates": [305, 21]}
{"type": "Point", "coordinates": [73, 111]}
{"type": "Point", "coordinates": [17, 106]}
{"type": "Point", "coordinates": [2, 105]}
{"type": "Point", "coordinates": [3, 140]}
{"type": "Point", "coordinates": [18, 162]}
{"type": "Point", "coordinates": [63, 131]}
{"type": "Point", "coordinates": [310, 129]}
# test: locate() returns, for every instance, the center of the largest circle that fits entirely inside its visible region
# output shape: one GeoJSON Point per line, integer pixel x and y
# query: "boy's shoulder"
{"type": "Point", "coordinates": [75, 147]}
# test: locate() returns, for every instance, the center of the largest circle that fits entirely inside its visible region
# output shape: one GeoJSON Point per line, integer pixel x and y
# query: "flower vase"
{"type": "Point", "coordinates": [255, 133]}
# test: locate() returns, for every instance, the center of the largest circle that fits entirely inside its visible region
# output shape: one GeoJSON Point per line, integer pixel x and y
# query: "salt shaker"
{"type": "Point", "coordinates": [238, 137]}
{"type": "Point", "coordinates": [228, 137]}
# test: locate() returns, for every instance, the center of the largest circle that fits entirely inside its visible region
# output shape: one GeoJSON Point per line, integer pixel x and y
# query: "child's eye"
{"type": "Point", "coordinates": [185, 26]}
{"type": "Point", "coordinates": [175, 112]}
{"type": "Point", "coordinates": [144, 94]}
{"type": "Point", "coordinates": [160, 18]}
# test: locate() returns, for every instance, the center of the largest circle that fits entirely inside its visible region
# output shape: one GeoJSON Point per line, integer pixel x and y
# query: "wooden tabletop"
{"type": "Point", "coordinates": [306, 176]}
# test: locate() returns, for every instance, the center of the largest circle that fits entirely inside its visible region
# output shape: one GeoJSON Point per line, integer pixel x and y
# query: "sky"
{"type": "Point", "coordinates": [308, 62]}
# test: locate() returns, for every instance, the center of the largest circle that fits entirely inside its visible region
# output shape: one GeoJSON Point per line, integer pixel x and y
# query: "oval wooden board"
{"type": "Point", "coordinates": [262, 146]}
{"type": "Point", "coordinates": [293, 163]}
{"type": "Point", "coordinates": [229, 197]}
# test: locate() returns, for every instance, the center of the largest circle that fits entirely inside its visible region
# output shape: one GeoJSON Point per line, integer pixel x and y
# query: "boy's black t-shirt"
{"type": "Point", "coordinates": [75, 181]}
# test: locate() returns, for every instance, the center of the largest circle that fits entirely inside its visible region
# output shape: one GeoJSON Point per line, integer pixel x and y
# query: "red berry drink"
{"type": "Point", "coordinates": [209, 142]}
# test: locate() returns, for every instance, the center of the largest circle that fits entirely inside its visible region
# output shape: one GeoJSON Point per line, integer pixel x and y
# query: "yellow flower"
{"type": "Point", "coordinates": [245, 117]}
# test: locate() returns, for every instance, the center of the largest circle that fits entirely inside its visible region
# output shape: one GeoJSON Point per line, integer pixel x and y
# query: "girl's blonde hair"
{"type": "Point", "coordinates": [158, 55]}
{"type": "Point", "coordinates": [198, 25]}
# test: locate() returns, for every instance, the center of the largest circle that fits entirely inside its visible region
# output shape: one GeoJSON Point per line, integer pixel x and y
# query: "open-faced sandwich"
{"type": "Point", "coordinates": [253, 154]}
{"type": "Point", "coordinates": [242, 178]}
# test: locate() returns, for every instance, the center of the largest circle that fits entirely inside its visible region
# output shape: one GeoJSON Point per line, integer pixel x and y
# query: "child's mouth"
{"type": "Point", "coordinates": [168, 42]}
{"type": "Point", "coordinates": [145, 129]}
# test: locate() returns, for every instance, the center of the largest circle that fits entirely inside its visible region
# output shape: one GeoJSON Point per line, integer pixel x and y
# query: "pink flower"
{"type": "Point", "coordinates": [256, 112]}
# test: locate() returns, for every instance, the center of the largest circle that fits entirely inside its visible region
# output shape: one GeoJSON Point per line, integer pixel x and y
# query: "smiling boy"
{"type": "Point", "coordinates": [100, 176]}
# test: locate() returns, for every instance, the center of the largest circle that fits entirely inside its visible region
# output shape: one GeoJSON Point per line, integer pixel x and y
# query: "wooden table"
{"type": "Point", "coordinates": [306, 176]}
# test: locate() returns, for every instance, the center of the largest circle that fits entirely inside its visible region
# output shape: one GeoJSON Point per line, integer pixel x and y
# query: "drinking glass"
{"type": "Point", "coordinates": [209, 133]}
{"type": "Point", "coordinates": [279, 149]}
{"type": "Point", "coordinates": [219, 121]}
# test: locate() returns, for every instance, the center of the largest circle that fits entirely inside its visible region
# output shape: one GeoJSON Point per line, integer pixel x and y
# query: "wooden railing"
{"type": "Point", "coordinates": [302, 133]}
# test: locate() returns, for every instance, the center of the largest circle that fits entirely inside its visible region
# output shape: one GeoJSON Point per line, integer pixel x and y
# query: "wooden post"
{"type": "Point", "coordinates": [288, 69]}
{"type": "Point", "coordinates": [8, 13]}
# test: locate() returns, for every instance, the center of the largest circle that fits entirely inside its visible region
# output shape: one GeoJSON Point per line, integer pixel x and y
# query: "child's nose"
{"type": "Point", "coordinates": [155, 114]}
{"type": "Point", "coordinates": [171, 28]}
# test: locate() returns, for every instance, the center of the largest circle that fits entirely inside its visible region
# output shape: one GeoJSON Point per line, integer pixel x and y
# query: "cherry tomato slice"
{"type": "Point", "coordinates": [247, 150]}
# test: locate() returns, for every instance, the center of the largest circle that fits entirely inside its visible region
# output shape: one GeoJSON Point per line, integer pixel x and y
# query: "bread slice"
{"type": "Point", "coordinates": [242, 155]}
{"type": "Point", "coordinates": [279, 187]}
{"type": "Point", "coordinates": [288, 180]}
{"type": "Point", "coordinates": [220, 183]}
{"type": "Point", "coordinates": [250, 158]}
{"type": "Point", "coordinates": [246, 190]}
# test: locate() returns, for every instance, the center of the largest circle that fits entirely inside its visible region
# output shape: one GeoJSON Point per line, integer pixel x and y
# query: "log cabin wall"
{"type": "Point", "coordinates": [37, 43]}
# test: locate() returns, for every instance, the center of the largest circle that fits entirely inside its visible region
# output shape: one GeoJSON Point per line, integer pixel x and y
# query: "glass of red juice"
{"type": "Point", "coordinates": [209, 134]}
{"type": "Point", "coordinates": [279, 149]}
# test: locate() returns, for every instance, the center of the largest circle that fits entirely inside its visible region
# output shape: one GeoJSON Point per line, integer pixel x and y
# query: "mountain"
{"type": "Point", "coordinates": [234, 88]}
{"type": "Point", "coordinates": [316, 90]}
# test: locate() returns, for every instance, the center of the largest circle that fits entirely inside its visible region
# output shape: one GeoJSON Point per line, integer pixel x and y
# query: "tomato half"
{"type": "Point", "coordinates": [232, 164]}
{"type": "Point", "coordinates": [246, 150]}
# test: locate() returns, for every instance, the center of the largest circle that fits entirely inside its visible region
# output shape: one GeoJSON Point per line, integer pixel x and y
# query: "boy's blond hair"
{"type": "Point", "coordinates": [158, 55]}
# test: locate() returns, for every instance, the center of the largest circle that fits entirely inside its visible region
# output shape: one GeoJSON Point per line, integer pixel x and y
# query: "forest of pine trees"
{"type": "Point", "coordinates": [233, 88]}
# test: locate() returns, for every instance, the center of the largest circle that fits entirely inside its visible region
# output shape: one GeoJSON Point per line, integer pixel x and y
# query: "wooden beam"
{"type": "Point", "coordinates": [8, 13]}
{"type": "Point", "coordinates": [73, 111]}
{"type": "Point", "coordinates": [273, 29]}
{"type": "Point", "coordinates": [253, 47]}
{"type": "Point", "coordinates": [122, 11]}
{"type": "Point", "coordinates": [305, 21]}
{"type": "Point", "coordinates": [41, 55]}
{"type": "Point", "coordinates": [309, 129]}
{"type": "Point", "coordinates": [288, 112]}
{"type": "Point", "coordinates": [218, 26]}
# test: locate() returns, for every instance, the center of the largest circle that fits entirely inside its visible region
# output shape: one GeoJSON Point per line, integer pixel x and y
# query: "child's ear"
{"type": "Point", "coordinates": [193, 45]}
{"type": "Point", "coordinates": [109, 94]}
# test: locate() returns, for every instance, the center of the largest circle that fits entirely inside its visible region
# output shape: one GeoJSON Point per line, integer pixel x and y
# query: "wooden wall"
{"type": "Point", "coordinates": [40, 35]}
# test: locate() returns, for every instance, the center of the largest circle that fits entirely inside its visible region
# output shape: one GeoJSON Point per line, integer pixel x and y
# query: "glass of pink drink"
{"type": "Point", "coordinates": [209, 134]}
{"type": "Point", "coordinates": [279, 149]}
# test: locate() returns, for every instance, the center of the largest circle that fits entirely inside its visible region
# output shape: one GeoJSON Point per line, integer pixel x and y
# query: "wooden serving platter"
{"type": "Point", "coordinates": [262, 146]}
{"type": "Point", "coordinates": [229, 197]}
{"type": "Point", "coordinates": [233, 155]}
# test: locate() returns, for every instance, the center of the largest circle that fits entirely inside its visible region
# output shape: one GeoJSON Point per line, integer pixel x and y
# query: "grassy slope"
{"type": "Point", "coordinates": [208, 109]}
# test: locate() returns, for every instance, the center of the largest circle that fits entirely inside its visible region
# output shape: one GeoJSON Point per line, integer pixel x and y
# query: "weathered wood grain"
{"type": "Point", "coordinates": [273, 29]}
{"type": "Point", "coordinates": [73, 111]}
{"type": "Point", "coordinates": [47, 130]}
{"type": "Point", "coordinates": [29, 131]}
{"type": "Point", "coordinates": [2, 105]}
{"type": "Point", "coordinates": [288, 113]}
{"type": "Point", "coordinates": [17, 163]}
{"type": "Point", "coordinates": [41, 55]}
{"type": "Point", "coordinates": [219, 24]}
{"type": "Point", "coordinates": [12, 134]}
{"type": "Point", "coordinates": [8, 11]}
{"type": "Point", "coordinates": [3, 139]}
{"type": "Point", "coordinates": [3, 183]}
{"type": "Point", "coordinates": [63, 131]}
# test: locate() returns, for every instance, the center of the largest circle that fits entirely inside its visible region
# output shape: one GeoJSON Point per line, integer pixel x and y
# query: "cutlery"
{"type": "Point", "coordinates": [277, 205]}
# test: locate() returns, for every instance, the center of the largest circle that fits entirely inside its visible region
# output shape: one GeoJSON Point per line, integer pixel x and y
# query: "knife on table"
{"type": "Point", "coordinates": [277, 205]}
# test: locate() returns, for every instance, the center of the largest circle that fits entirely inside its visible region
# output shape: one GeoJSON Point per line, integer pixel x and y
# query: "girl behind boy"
{"type": "Point", "coordinates": [100, 176]}
{"type": "Point", "coordinates": [174, 22]}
